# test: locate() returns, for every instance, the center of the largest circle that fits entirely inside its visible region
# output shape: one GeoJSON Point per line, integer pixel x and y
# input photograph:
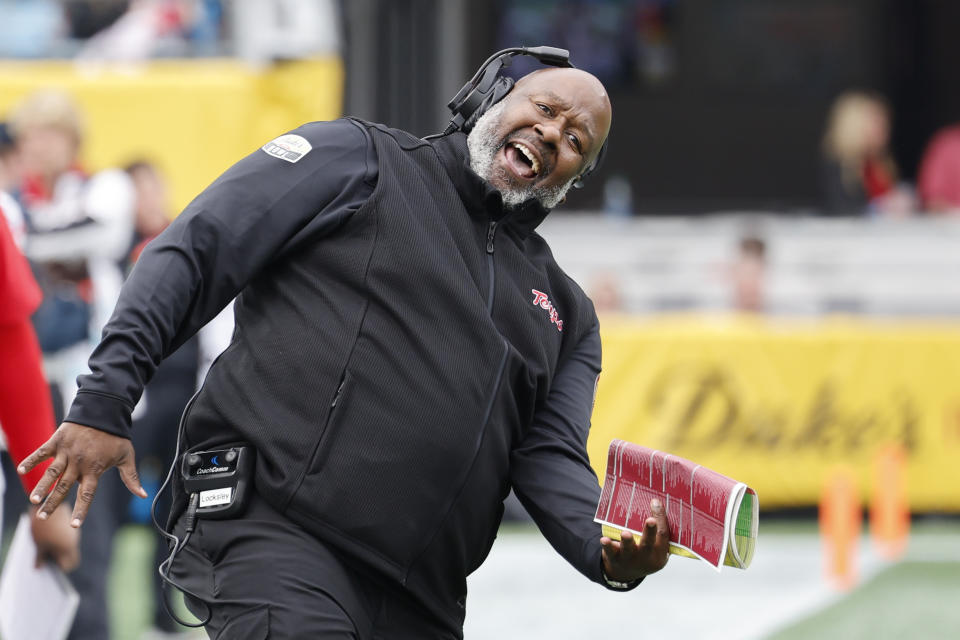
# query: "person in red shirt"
{"type": "Point", "coordinates": [939, 179]}
{"type": "Point", "coordinates": [26, 414]}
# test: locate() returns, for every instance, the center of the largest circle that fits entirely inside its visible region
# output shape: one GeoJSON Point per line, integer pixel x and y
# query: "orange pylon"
{"type": "Point", "coordinates": [889, 505]}
{"type": "Point", "coordinates": [840, 521]}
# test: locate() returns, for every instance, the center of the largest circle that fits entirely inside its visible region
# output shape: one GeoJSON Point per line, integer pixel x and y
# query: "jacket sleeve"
{"type": "Point", "coordinates": [550, 470]}
{"type": "Point", "coordinates": [296, 189]}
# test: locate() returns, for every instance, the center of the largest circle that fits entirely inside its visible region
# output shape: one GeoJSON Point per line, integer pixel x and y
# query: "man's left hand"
{"type": "Point", "coordinates": [630, 559]}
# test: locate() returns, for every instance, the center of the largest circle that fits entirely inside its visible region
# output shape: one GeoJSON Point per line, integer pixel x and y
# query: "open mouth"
{"type": "Point", "coordinates": [522, 160]}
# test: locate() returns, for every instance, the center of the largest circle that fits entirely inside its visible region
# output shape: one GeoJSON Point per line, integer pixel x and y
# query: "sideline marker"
{"type": "Point", "coordinates": [889, 504]}
{"type": "Point", "coordinates": [840, 522]}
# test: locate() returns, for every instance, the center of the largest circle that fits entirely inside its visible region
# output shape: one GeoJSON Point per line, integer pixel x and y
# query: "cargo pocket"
{"type": "Point", "coordinates": [250, 625]}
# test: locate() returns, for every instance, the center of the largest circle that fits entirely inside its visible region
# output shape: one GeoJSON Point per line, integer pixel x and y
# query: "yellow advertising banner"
{"type": "Point", "coordinates": [780, 404]}
{"type": "Point", "coordinates": [192, 118]}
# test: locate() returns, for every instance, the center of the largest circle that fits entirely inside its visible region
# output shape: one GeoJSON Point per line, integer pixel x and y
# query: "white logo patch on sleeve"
{"type": "Point", "coordinates": [289, 147]}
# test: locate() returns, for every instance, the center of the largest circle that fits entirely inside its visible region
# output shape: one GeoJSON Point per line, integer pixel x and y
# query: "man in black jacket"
{"type": "Point", "coordinates": [406, 350]}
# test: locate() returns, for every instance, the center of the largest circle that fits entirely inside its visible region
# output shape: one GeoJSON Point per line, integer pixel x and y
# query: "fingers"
{"type": "Point", "coordinates": [649, 537]}
{"type": "Point", "coordinates": [46, 450]}
{"type": "Point", "coordinates": [610, 553]}
{"type": "Point", "coordinates": [659, 514]}
{"type": "Point", "coordinates": [88, 487]}
{"type": "Point", "coordinates": [49, 477]}
{"type": "Point", "coordinates": [69, 559]}
{"type": "Point", "coordinates": [66, 559]}
{"type": "Point", "coordinates": [130, 477]}
{"type": "Point", "coordinates": [662, 525]}
{"type": "Point", "coordinates": [610, 545]}
{"type": "Point", "coordinates": [653, 524]}
{"type": "Point", "coordinates": [627, 544]}
{"type": "Point", "coordinates": [59, 492]}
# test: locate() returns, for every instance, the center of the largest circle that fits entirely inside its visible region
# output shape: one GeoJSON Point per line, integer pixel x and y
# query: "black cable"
{"type": "Point", "coordinates": [190, 521]}
{"type": "Point", "coordinates": [176, 544]}
{"type": "Point", "coordinates": [176, 457]}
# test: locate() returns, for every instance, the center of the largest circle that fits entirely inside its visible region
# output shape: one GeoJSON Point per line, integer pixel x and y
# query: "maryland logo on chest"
{"type": "Point", "coordinates": [542, 300]}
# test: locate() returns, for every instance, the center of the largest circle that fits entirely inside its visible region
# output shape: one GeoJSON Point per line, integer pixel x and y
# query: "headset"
{"type": "Point", "coordinates": [487, 87]}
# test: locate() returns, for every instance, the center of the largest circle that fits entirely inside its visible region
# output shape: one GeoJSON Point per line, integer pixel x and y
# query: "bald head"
{"type": "Point", "coordinates": [542, 136]}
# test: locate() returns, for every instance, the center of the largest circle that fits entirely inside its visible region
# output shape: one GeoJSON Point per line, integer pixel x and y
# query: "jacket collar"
{"type": "Point", "coordinates": [479, 196]}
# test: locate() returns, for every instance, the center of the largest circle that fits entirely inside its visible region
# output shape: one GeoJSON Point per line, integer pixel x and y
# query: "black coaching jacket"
{"type": "Point", "coordinates": [405, 351]}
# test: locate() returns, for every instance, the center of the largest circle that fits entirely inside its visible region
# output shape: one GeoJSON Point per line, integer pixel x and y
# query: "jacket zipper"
{"type": "Point", "coordinates": [491, 230]}
{"type": "Point", "coordinates": [336, 396]}
{"type": "Point", "coordinates": [491, 233]}
{"type": "Point", "coordinates": [323, 434]}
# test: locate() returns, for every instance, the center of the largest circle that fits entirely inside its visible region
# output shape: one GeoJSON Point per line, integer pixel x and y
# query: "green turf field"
{"type": "Point", "coordinates": [133, 580]}
{"type": "Point", "coordinates": [907, 600]}
{"type": "Point", "coordinates": [917, 597]}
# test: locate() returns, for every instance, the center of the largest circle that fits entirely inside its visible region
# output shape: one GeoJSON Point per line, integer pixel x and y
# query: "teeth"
{"type": "Point", "coordinates": [529, 155]}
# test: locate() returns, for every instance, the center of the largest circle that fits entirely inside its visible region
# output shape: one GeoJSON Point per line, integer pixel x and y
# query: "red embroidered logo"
{"type": "Point", "coordinates": [541, 300]}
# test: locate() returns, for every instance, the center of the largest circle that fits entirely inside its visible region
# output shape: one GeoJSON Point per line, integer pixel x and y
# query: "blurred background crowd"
{"type": "Point", "coordinates": [854, 100]}
{"type": "Point", "coordinates": [794, 160]}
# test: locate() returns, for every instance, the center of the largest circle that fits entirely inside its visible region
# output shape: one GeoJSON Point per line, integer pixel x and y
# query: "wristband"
{"type": "Point", "coordinates": [617, 584]}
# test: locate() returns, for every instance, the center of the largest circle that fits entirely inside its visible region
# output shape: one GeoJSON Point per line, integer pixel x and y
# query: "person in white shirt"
{"type": "Point", "coordinates": [78, 230]}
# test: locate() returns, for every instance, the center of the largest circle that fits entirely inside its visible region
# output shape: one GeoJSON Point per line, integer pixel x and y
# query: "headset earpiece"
{"type": "Point", "coordinates": [501, 87]}
{"type": "Point", "coordinates": [487, 86]}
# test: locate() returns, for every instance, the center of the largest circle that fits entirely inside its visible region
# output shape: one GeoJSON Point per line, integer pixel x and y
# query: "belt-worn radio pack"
{"type": "Point", "coordinates": [221, 477]}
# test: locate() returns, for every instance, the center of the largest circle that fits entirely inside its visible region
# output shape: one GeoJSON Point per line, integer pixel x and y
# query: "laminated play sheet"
{"type": "Point", "coordinates": [711, 516]}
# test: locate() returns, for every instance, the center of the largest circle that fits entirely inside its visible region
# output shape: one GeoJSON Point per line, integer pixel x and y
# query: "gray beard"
{"type": "Point", "coordinates": [483, 147]}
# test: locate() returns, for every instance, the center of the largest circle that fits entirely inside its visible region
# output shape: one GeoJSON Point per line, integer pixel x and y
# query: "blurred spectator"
{"type": "Point", "coordinates": [152, 206]}
{"type": "Point", "coordinates": [605, 293]}
{"type": "Point", "coordinates": [617, 197]}
{"type": "Point", "coordinates": [87, 17]}
{"type": "Point", "coordinates": [9, 182]}
{"type": "Point", "coordinates": [78, 230]}
{"type": "Point", "coordinates": [154, 438]}
{"type": "Point", "coordinates": [939, 177]}
{"type": "Point", "coordinates": [859, 174]}
{"type": "Point", "coordinates": [749, 275]}
{"type": "Point", "coordinates": [152, 27]}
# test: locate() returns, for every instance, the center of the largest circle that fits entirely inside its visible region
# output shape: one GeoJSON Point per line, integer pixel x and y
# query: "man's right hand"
{"type": "Point", "coordinates": [80, 454]}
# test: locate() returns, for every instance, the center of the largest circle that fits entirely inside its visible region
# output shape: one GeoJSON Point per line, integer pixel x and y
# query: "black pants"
{"type": "Point", "coordinates": [265, 577]}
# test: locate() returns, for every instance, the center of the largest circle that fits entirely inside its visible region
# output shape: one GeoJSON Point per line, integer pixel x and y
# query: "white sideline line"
{"type": "Point", "coordinates": [525, 590]}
